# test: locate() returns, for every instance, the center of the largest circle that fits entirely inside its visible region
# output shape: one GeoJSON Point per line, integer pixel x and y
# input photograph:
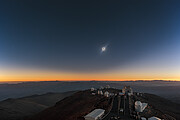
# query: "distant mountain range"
{"type": "Point", "coordinates": [167, 89]}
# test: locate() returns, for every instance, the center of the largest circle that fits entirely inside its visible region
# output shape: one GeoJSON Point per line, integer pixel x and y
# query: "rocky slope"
{"type": "Point", "coordinates": [160, 107]}
{"type": "Point", "coordinates": [74, 107]}
{"type": "Point", "coordinates": [12, 109]}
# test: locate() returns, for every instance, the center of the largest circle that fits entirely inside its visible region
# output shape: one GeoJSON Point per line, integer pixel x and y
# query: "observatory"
{"type": "Point", "coordinates": [106, 94]}
{"type": "Point", "coordinates": [92, 89]}
{"type": "Point", "coordinates": [100, 92]}
{"type": "Point", "coordinates": [139, 107]}
{"type": "Point", "coordinates": [154, 118]}
{"type": "Point", "coordinates": [143, 118]}
{"type": "Point", "coordinates": [95, 115]}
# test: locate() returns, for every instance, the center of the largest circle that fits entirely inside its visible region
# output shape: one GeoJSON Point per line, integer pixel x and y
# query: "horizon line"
{"type": "Point", "coordinates": [145, 80]}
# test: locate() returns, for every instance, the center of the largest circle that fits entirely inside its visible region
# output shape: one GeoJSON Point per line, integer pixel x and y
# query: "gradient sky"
{"type": "Point", "coordinates": [62, 40]}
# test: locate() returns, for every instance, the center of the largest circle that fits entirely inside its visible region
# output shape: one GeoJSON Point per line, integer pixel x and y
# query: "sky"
{"type": "Point", "coordinates": [63, 40]}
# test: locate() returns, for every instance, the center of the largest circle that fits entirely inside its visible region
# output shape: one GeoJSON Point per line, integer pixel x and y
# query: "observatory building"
{"type": "Point", "coordinates": [100, 92]}
{"type": "Point", "coordinates": [139, 107]}
{"type": "Point", "coordinates": [106, 94]}
{"type": "Point", "coordinates": [95, 115]}
{"type": "Point", "coordinates": [92, 89]}
{"type": "Point", "coordinates": [154, 118]}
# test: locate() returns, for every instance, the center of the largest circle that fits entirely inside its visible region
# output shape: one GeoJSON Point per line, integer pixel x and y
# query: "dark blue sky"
{"type": "Point", "coordinates": [68, 35]}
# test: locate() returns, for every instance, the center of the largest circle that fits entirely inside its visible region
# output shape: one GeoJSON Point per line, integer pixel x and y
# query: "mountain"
{"type": "Point", "coordinates": [12, 109]}
{"type": "Point", "coordinates": [168, 89]}
{"type": "Point", "coordinates": [74, 107]}
{"type": "Point", "coordinates": [78, 105]}
{"type": "Point", "coordinates": [160, 107]}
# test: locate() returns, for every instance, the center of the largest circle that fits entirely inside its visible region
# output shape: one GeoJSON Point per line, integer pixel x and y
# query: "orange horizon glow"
{"type": "Point", "coordinates": [91, 80]}
{"type": "Point", "coordinates": [79, 79]}
{"type": "Point", "coordinates": [16, 74]}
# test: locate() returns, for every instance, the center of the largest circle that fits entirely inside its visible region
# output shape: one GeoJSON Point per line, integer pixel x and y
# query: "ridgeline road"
{"type": "Point", "coordinates": [120, 109]}
{"type": "Point", "coordinates": [114, 110]}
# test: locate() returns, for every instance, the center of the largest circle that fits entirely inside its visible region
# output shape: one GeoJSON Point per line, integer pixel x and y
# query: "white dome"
{"type": "Point", "coordinates": [138, 103]}
{"type": "Point", "coordinates": [154, 118]}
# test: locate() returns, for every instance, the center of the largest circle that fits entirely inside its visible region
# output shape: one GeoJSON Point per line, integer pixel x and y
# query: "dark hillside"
{"type": "Point", "coordinates": [16, 109]}
{"type": "Point", "coordinates": [74, 107]}
{"type": "Point", "coordinates": [160, 107]}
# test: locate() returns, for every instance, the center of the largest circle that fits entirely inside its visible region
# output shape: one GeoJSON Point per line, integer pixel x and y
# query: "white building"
{"type": "Point", "coordinates": [106, 94]}
{"type": "Point", "coordinates": [100, 92]}
{"type": "Point", "coordinates": [95, 114]}
{"type": "Point", "coordinates": [139, 107]}
{"type": "Point", "coordinates": [92, 89]}
{"type": "Point", "coordinates": [154, 118]}
{"type": "Point", "coordinates": [129, 94]}
{"type": "Point", "coordinates": [143, 118]}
